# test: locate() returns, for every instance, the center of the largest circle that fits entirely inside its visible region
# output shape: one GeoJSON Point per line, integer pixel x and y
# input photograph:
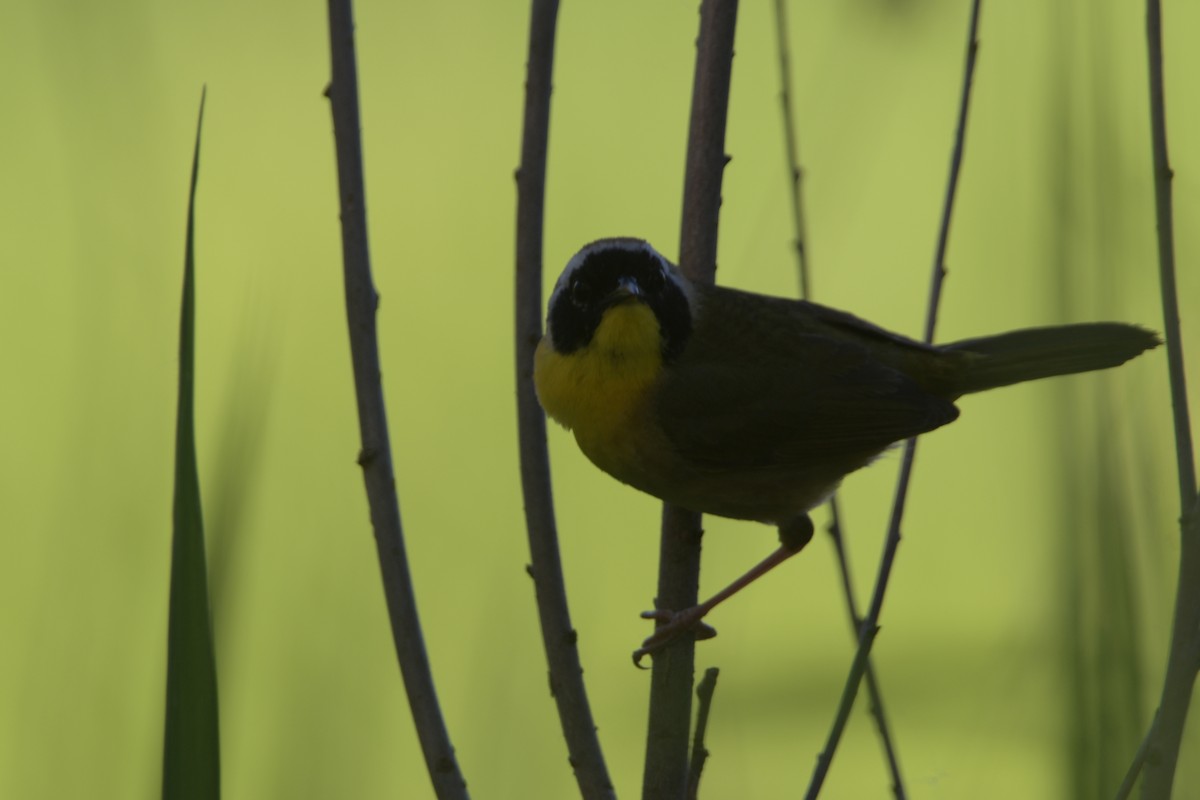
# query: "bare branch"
{"type": "Point", "coordinates": [1180, 677]}
{"type": "Point", "coordinates": [666, 766]}
{"type": "Point", "coordinates": [791, 142]}
{"type": "Point", "coordinates": [375, 458]}
{"type": "Point", "coordinates": [870, 626]}
{"type": "Point", "coordinates": [558, 637]}
{"type": "Point", "coordinates": [874, 693]}
{"type": "Point", "coordinates": [803, 262]}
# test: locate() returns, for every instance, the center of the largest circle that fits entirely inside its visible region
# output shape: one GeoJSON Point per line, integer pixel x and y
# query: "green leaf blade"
{"type": "Point", "coordinates": [191, 742]}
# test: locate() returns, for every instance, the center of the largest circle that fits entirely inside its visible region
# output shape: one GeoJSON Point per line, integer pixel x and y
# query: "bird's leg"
{"type": "Point", "coordinates": [793, 535]}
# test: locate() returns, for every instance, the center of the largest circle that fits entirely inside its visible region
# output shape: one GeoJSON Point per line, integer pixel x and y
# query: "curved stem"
{"type": "Point", "coordinates": [558, 637]}
{"type": "Point", "coordinates": [1182, 664]}
{"type": "Point", "coordinates": [375, 457]}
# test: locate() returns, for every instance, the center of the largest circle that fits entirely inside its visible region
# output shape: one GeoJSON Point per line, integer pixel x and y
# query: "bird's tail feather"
{"type": "Point", "coordinates": [1034, 353]}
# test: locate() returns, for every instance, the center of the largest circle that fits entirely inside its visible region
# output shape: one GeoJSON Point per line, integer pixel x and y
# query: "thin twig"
{"type": "Point", "coordinates": [796, 172]}
{"type": "Point", "coordinates": [666, 765]}
{"type": "Point", "coordinates": [375, 458]}
{"type": "Point", "coordinates": [870, 624]}
{"type": "Point", "coordinates": [1180, 676]}
{"type": "Point", "coordinates": [704, 698]}
{"type": "Point", "coordinates": [867, 631]}
{"type": "Point", "coordinates": [874, 693]}
{"type": "Point", "coordinates": [792, 143]}
{"type": "Point", "coordinates": [558, 637]}
{"type": "Point", "coordinates": [1139, 758]}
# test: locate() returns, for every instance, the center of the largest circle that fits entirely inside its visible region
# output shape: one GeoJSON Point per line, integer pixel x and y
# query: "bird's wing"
{"type": "Point", "coordinates": [757, 387]}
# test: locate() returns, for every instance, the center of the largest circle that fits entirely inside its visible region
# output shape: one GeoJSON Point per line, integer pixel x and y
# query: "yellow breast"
{"type": "Point", "coordinates": [600, 390]}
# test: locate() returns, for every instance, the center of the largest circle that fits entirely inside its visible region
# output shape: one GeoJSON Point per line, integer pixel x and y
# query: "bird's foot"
{"type": "Point", "coordinates": [672, 625]}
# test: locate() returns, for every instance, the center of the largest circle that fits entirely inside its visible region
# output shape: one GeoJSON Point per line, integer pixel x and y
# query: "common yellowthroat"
{"type": "Point", "coordinates": [755, 407]}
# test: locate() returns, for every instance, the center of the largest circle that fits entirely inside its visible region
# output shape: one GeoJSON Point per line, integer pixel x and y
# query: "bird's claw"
{"type": "Point", "coordinates": [672, 625]}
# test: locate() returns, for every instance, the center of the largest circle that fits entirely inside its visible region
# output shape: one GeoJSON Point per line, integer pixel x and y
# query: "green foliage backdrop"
{"type": "Point", "coordinates": [999, 572]}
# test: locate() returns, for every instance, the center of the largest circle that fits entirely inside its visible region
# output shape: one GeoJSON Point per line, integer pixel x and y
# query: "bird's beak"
{"type": "Point", "coordinates": [627, 290]}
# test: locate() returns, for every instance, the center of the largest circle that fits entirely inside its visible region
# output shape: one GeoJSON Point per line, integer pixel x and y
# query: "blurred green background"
{"type": "Point", "coordinates": [1026, 627]}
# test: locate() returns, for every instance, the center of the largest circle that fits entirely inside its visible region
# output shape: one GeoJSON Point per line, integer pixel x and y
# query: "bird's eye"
{"type": "Point", "coordinates": [654, 280]}
{"type": "Point", "coordinates": [581, 293]}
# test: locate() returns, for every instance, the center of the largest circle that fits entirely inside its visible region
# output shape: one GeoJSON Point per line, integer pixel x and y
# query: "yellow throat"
{"type": "Point", "coordinates": [595, 389]}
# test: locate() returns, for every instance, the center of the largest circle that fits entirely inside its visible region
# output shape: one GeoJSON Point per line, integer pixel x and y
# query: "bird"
{"type": "Point", "coordinates": [755, 407]}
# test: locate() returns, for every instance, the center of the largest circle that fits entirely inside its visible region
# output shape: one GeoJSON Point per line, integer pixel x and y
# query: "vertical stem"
{"type": "Point", "coordinates": [671, 681]}
{"type": "Point", "coordinates": [673, 672]}
{"type": "Point", "coordinates": [375, 457]}
{"type": "Point", "coordinates": [1163, 174]}
{"type": "Point", "coordinates": [1182, 663]}
{"type": "Point", "coordinates": [558, 637]}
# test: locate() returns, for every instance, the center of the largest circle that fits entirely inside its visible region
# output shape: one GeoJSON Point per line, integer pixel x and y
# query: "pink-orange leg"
{"type": "Point", "coordinates": [673, 624]}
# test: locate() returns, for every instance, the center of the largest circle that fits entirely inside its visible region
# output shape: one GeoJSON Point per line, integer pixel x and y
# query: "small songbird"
{"type": "Point", "coordinates": [755, 407]}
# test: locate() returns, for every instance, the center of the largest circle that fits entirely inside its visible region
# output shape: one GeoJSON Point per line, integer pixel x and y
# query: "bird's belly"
{"type": "Point", "coordinates": [640, 456]}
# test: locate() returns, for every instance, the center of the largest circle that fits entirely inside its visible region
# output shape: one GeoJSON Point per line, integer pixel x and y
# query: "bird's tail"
{"type": "Point", "coordinates": [1034, 353]}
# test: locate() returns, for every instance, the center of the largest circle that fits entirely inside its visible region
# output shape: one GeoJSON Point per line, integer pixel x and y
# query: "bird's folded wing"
{"type": "Point", "coordinates": [746, 400]}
